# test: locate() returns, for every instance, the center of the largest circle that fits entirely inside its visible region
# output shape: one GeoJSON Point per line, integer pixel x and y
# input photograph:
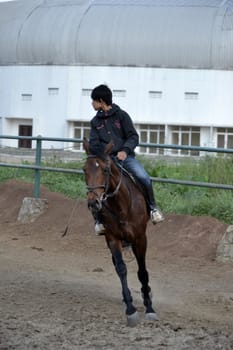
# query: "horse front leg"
{"type": "Point", "coordinates": [121, 269]}
{"type": "Point", "coordinates": [143, 276]}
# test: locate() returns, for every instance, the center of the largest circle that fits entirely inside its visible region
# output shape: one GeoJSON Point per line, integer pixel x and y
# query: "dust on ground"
{"type": "Point", "coordinates": [63, 293]}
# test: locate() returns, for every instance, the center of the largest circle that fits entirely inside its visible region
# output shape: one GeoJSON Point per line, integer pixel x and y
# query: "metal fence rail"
{"type": "Point", "coordinates": [38, 168]}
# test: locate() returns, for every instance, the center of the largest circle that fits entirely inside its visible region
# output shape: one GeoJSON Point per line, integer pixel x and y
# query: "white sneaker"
{"type": "Point", "coordinates": [99, 229]}
{"type": "Point", "coordinates": [156, 216]}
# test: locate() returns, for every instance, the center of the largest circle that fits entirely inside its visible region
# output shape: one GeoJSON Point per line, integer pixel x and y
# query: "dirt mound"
{"type": "Point", "coordinates": [179, 236]}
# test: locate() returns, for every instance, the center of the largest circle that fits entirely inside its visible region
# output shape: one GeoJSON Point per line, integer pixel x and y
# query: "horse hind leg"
{"type": "Point", "coordinates": [143, 277]}
{"type": "Point", "coordinates": [132, 315]}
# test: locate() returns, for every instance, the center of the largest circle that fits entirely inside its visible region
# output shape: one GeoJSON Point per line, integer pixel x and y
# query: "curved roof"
{"type": "Point", "coordinates": [157, 33]}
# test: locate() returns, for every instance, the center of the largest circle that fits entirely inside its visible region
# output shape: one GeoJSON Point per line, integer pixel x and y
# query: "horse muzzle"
{"type": "Point", "coordinates": [94, 204]}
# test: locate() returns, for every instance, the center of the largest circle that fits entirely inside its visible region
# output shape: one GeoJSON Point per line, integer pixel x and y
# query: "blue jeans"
{"type": "Point", "coordinates": [132, 165]}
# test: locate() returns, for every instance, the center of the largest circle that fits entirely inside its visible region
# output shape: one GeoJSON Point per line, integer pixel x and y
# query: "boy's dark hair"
{"type": "Point", "coordinates": [102, 92]}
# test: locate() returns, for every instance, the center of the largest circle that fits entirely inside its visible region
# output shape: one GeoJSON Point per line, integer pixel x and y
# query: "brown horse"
{"type": "Point", "coordinates": [125, 217]}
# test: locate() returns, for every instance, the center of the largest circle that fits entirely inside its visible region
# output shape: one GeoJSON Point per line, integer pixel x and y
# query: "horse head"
{"type": "Point", "coordinates": [97, 174]}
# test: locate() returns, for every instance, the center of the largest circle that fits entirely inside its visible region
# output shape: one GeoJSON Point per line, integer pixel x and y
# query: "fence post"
{"type": "Point", "coordinates": [38, 163]}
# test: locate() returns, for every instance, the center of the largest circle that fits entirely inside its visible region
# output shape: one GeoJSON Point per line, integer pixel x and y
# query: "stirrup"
{"type": "Point", "coordinates": [99, 229]}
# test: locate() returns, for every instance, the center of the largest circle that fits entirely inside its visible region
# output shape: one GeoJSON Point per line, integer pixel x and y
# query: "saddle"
{"type": "Point", "coordinates": [133, 179]}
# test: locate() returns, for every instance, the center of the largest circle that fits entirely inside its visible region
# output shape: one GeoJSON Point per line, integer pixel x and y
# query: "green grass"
{"type": "Point", "coordinates": [71, 185]}
{"type": "Point", "coordinates": [179, 199]}
{"type": "Point", "coordinates": [183, 199]}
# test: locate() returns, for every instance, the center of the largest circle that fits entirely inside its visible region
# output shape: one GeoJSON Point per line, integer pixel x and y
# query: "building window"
{"type": "Point", "coordinates": [115, 92]}
{"type": "Point", "coordinates": [26, 97]}
{"type": "Point", "coordinates": [185, 136]}
{"type": "Point", "coordinates": [119, 93]}
{"type": "Point", "coordinates": [53, 91]}
{"type": "Point", "coordinates": [225, 137]}
{"type": "Point", "coordinates": [151, 134]}
{"type": "Point", "coordinates": [191, 95]}
{"type": "Point", "coordinates": [81, 130]}
{"type": "Point", "coordinates": [86, 92]}
{"type": "Point", "coordinates": [227, 23]}
{"type": "Point", "coordinates": [155, 94]}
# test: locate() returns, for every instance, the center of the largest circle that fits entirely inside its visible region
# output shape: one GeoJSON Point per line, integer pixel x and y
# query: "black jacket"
{"type": "Point", "coordinates": [115, 125]}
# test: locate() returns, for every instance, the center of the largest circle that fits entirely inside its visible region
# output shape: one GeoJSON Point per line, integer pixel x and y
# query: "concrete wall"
{"type": "Point", "coordinates": [49, 110]}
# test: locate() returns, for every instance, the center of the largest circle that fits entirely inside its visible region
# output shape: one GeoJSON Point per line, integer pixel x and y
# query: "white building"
{"type": "Point", "coordinates": [168, 62]}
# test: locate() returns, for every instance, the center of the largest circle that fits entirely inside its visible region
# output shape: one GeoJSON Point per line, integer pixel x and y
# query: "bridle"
{"type": "Point", "coordinates": [106, 194]}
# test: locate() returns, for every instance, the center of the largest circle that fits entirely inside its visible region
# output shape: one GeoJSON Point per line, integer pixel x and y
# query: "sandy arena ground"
{"type": "Point", "coordinates": [63, 293]}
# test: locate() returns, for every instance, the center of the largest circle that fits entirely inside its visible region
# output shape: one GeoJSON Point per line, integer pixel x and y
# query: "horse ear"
{"type": "Point", "coordinates": [109, 147]}
{"type": "Point", "coordinates": [86, 145]}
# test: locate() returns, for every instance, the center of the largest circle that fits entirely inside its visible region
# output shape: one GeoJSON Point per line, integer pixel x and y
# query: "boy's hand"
{"type": "Point", "coordinates": [122, 155]}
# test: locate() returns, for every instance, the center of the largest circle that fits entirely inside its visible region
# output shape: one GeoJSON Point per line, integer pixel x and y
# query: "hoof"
{"type": "Point", "coordinates": [132, 320]}
{"type": "Point", "coordinates": [151, 316]}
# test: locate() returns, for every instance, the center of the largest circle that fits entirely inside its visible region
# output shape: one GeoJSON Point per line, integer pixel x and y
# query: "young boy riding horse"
{"type": "Point", "coordinates": [111, 123]}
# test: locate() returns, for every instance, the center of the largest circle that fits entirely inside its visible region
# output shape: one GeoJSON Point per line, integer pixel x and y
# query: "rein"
{"type": "Point", "coordinates": [105, 195]}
